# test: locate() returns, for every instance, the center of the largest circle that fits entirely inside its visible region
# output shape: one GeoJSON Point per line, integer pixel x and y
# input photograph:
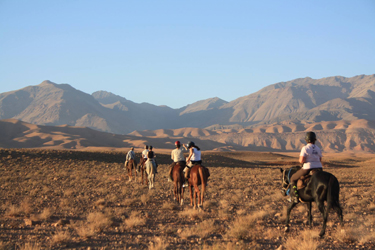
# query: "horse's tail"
{"type": "Point", "coordinates": [333, 193]}
{"type": "Point", "coordinates": [203, 180]}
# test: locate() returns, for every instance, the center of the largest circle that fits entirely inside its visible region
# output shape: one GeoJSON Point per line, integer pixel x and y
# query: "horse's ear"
{"type": "Point", "coordinates": [281, 170]}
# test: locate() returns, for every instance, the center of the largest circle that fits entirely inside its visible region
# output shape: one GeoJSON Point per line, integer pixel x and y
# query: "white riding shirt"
{"type": "Point", "coordinates": [196, 155]}
{"type": "Point", "coordinates": [312, 154]}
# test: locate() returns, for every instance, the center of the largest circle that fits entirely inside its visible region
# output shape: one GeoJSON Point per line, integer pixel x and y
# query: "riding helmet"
{"type": "Point", "coordinates": [177, 143]}
{"type": "Point", "coordinates": [310, 137]}
{"type": "Point", "coordinates": [190, 144]}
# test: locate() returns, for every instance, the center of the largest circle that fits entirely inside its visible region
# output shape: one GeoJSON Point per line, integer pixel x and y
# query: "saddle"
{"type": "Point", "coordinates": [304, 180]}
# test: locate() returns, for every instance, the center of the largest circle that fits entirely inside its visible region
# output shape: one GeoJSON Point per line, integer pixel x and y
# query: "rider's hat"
{"type": "Point", "coordinates": [190, 144]}
{"type": "Point", "coordinates": [310, 137]}
{"type": "Point", "coordinates": [177, 143]}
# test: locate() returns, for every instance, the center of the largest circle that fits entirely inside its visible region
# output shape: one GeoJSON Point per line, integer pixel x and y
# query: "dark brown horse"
{"type": "Point", "coordinates": [178, 179]}
{"type": "Point", "coordinates": [198, 176]}
{"type": "Point", "coordinates": [130, 166]}
{"type": "Point", "coordinates": [322, 187]}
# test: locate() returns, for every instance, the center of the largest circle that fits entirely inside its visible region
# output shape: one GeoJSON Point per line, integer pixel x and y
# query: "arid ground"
{"type": "Point", "coordinates": [53, 199]}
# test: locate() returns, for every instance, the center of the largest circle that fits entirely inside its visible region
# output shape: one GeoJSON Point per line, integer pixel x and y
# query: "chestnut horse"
{"type": "Point", "coordinates": [178, 179]}
{"type": "Point", "coordinates": [198, 176]}
{"type": "Point", "coordinates": [131, 164]}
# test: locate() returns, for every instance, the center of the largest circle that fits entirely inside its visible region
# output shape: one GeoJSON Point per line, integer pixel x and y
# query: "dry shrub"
{"type": "Point", "coordinates": [46, 214]}
{"type": "Point", "coordinates": [158, 244]}
{"type": "Point", "coordinates": [201, 230]}
{"type": "Point", "coordinates": [5, 245]}
{"type": "Point", "coordinates": [26, 206]}
{"type": "Point", "coordinates": [135, 219]}
{"type": "Point", "coordinates": [307, 240]}
{"type": "Point", "coordinates": [210, 204]}
{"type": "Point", "coordinates": [193, 214]}
{"type": "Point", "coordinates": [130, 201]}
{"type": "Point", "coordinates": [246, 226]}
{"type": "Point", "coordinates": [13, 211]}
{"type": "Point", "coordinates": [84, 230]}
{"type": "Point", "coordinates": [169, 206]}
{"type": "Point", "coordinates": [366, 237]}
{"type": "Point", "coordinates": [144, 199]}
{"type": "Point", "coordinates": [99, 221]}
{"type": "Point", "coordinates": [349, 235]}
{"type": "Point", "coordinates": [227, 246]}
{"type": "Point", "coordinates": [61, 237]}
{"type": "Point", "coordinates": [29, 246]}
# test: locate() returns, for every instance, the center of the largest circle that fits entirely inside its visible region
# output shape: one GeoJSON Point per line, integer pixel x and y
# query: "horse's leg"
{"type": "Point", "coordinates": [181, 193]}
{"type": "Point", "coordinates": [135, 171]}
{"type": "Point", "coordinates": [309, 213]}
{"type": "Point", "coordinates": [324, 212]}
{"type": "Point", "coordinates": [191, 195]}
{"type": "Point", "coordinates": [175, 191]}
{"type": "Point", "coordinates": [339, 214]}
{"type": "Point", "coordinates": [291, 206]}
{"type": "Point", "coordinates": [129, 172]}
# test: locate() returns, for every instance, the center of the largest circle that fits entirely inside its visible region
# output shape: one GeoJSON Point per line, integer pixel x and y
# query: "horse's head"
{"type": "Point", "coordinates": [284, 178]}
{"type": "Point", "coordinates": [286, 174]}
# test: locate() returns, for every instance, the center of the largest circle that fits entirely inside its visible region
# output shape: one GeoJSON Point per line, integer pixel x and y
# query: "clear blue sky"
{"type": "Point", "coordinates": [177, 52]}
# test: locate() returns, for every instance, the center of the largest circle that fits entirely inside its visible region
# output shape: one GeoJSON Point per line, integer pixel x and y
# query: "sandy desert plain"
{"type": "Point", "coordinates": [65, 199]}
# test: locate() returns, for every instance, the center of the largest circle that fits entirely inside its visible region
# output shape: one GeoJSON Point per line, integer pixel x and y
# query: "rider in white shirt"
{"type": "Point", "coordinates": [193, 158]}
{"type": "Point", "coordinates": [177, 155]}
{"type": "Point", "coordinates": [310, 157]}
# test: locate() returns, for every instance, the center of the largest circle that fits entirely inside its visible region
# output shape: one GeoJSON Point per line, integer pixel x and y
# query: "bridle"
{"type": "Point", "coordinates": [286, 183]}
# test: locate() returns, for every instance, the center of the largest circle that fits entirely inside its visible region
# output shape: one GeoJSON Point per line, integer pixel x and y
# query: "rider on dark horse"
{"type": "Point", "coordinates": [177, 156]}
{"type": "Point", "coordinates": [193, 158]}
{"type": "Point", "coordinates": [310, 157]}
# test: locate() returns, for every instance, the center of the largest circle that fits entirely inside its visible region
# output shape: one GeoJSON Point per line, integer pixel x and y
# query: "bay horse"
{"type": "Point", "coordinates": [178, 179]}
{"type": "Point", "coordinates": [198, 176]}
{"type": "Point", "coordinates": [323, 186]}
{"type": "Point", "coordinates": [130, 166]}
{"type": "Point", "coordinates": [150, 170]}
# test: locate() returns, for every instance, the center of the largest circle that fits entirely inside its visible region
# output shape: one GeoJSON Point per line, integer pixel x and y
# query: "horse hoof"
{"type": "Point", "coordinates": [286, 229]}
{"type": "Point", "coordinates": [182, 202]}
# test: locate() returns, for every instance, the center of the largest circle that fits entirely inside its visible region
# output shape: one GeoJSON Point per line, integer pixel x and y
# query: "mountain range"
{"type": "Point", "coordinates": [282, 108]}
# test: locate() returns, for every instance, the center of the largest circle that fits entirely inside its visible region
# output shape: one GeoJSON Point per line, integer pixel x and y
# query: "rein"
{"type": "Point", "coordinates": [284, 182]}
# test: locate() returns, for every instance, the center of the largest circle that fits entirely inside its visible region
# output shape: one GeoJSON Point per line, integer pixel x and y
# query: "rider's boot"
{"type": "Point", "coordinates": [294, 193]}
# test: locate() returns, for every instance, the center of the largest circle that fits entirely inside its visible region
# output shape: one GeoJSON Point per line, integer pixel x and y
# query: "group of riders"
{"type": "Point", "coordinates": [177, 155]}
{"type": "Point", "coordinates": [310, 157]}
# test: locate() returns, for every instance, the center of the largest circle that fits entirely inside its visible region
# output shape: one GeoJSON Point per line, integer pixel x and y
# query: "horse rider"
{"type": "Point", "coordinates": [130, 156]}
{"type": "Point", "coordinates": [193, 159]}
{"type": "Point", "coordinates": [310, 157]}
{"type": "Point", "coordinates": [177, 156]}
{"type": "Point", "coordinates": [151, 157]}
{"type": "Point", "coordinates": [144, 156]}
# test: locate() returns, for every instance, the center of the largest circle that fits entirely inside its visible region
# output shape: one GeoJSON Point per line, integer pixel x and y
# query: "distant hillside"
{"type": "Point", "coordinates": [304, 100]}
{"type": "Point", "coordinates": [18, 134]}
{"type": "Point", "coordinates": [333, 136]}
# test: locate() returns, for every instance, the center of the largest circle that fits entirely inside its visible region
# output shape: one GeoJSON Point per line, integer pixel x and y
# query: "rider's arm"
{"type": "Point", "coordinates": [302, 159]}
{"type": "Point", "coordinates": [190, 155]}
